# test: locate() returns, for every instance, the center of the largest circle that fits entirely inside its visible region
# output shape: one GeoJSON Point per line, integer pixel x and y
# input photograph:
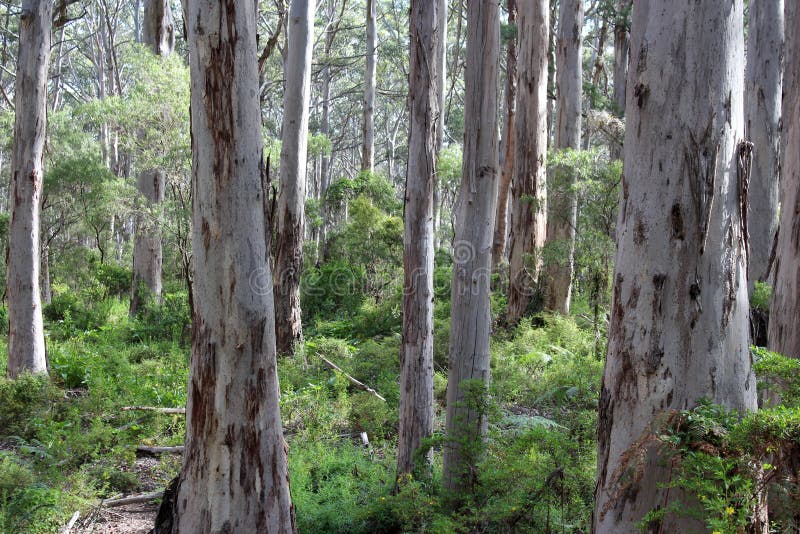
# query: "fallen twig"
{"type": "Point", "coordinates": [133, 499]}
{"type": "Point", "coordinates": [72, 521]}
{"type": "Point", "coordinates": [178, 449]}
{"type": "Point", "coordinates": [360, 385]}
{"type": "Point", "coordinates": [152, 409]}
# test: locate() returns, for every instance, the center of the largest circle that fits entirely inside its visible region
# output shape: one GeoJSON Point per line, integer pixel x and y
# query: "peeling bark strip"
{"type": "Point", "coordinates": [762, 115]}
{"type": "Point", "coordinates": [784, 335]}
{"type": "Point", "coordinates": [26, 348]}
{"type": "Point", "coordinates": [529, 215]}
{"type": "Point", "coordinates": [292, 195]}
{"type": "Point", "coordinates": [678, 327]}
{"type": "Point", "coordinates": [416, 353]}
{"type": "Point", "coordinates": [469, 301]}
{"type": "Point", "coordinates": [234, 476]}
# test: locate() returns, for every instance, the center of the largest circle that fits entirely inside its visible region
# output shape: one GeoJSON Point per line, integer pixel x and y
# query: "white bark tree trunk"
{"type": "Point", "coordinates": [784, 334]}
{"type": "Point", "coordinates": [622, 43]}
{"type": "Point", "coordinates": [679, 320]}
{"type": "Point", "coordinates": [234, 476]}
{"type": "Point", "coordinates": [562, 200]}
{"type": "Point", "coordinates": [368, 129]}
{"type": "Point", "coordinates": [762, 116]}
{"type": "Point", "coordinates": [416, 354]}
{"type": "Point", "coordinates": [292, 195]}
{"type": "Point", "coordinates": [470, 323]}
{"type": "Point", "coordinates": [508, 144]}
{"type": "Point", "coordinates": [159, 36]}
{"type": "Point", "coordinates": [529, 212]}
{"type": "Point", "coordinates": [26, 349]}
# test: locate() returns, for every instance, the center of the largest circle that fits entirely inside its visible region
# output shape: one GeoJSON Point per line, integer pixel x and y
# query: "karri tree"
{"type": "Point", "coordinates": [234, 476]}
{"type": "Point", "coordinates": [679, 315]}
{"type": "Point", "coordinates": [26, 349]}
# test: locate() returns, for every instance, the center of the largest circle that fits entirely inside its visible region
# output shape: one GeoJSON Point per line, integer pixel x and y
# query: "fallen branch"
{"type": "Point", "coordinates": [152, 409]}
{"type": "Point", "coordinates": [72, 521]}
{"type": "Point", "coordinates": [160, 450]}
{"type": "Point", "coordinates": [133, 499]}
{"type": "Point", "coordinates": [360, 385]}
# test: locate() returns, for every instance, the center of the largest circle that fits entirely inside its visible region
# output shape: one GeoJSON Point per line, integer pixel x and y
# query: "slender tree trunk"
{"type": "Point", "coordinates": [622, 42]}
{"type": "Point", "coordinates": [327, 159]}
{"type": "Point", "coordinates": [416, 367]}
{"type": "Point", "coordinates": [441, 89]}
{"type": "Point", "coordinates": [470, 322]}
{"type": "Point", "coordinates": [368, 133]}
{"type": "Point", "coordinates": [562, 199]}
{"type": "Point", "coordinates": [292, 196]}
{"type": "Point", "coordinates": [679, 316]}
{"type": "Point", "coordinates": [47, 294]}
{"type": "Point", "coordinates": [529, 214]}
{"type": "Point", "coordinates": [159, 36]}
{"type": "Point", "coordinates": [762, 116]}
{"type": "Point", "coordinates": [26, 349]}
{"type": "Point", "coordinates": [509, 140]}
{"type": "Point", "coordinates": [784, 317]}
{"type": "Point", "coordinates": [234, 476]}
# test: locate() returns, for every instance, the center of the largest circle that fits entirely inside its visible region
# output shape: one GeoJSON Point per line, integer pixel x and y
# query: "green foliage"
{"type": "Point", "coordinates": [369, 185]}
{"type": "Point", "coordinates": [761, 296]}
{"type": "Point", "coordinates": [167, 321]}
{"type": "Point", "coordinates": [778, 376]}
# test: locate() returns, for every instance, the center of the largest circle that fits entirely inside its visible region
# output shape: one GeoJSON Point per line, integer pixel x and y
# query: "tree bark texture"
{"type": "Point", "coordinates": [784, 316]}
{"type": "Point", "coordinates": [470, 323]}
{"type": "Point", "coordinates": [562, 200]}
{"type": "Point", "coordinates": [26, 348]}
{"type": "Point", "coordinates": [368, 127]}
{"type": "Point", "coordinates": [529, 212]}
{"type": "Point", "coordinates": [292, 195]}
{"type": "Point", "coordinates": [762, 115]}
{"type": "Point", "coordinates": [679, 319]}
{"type": "Point", "coordinates": [509, 137]}
{"type": "Point", "coordinates": [234, 476]}
{"type": "Point", "coordinates": [416, 354]}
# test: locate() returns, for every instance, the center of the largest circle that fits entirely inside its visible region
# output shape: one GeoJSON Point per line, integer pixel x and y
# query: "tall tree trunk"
{"type": "Point", "coordinates": [762, 120]}
{"type": "Point", "coordinates": [679, 316]}
{"type": "Point", "coordinates": [327, 159]}
{"type": "Point", "coordinates": [368, 132]}
{"type": "Point", "coordinates": [26, 350]}
{"type": "Point", "coordinates": [416, 355]}
{"type": "Point", "coordinates": [159, 35]}
{"type": "Point", "coordinates": [509, 140]}
{"type": "Point", "coordinates": [47, 293]}
{"type": "Point", "coordinates": [234, 476]}
{"type": "Point", "coordinates": [562, 200]}
{"type": "Point", "coordinates": [529, 214]}
{"type": "Point", "coordinates": [622, 42]}
{"type": "Point", "coordinates": [441, 88]}
{"type": "Point", "coordinates": [292, 196]}
{"type": "Point", "coordinates": [470, 313]}
{"type": "Point", "coordinates": [784, 334]}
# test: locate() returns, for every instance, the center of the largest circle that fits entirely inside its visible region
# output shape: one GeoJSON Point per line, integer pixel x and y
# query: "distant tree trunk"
{"type": "Point", "coordinates": [562, 199]}
{"type": "Point", "coordinates": [529, 213]}
{"type": "Point", "coordinates": [441, 88]}
{"type": "Point", "coordinates": [509, 137]}
{"type": "Point", "coordinates": [159, 36]}
{"type": "Point", "coordinates": [327, 159]}
{"type": "Point", "coordinates": [470, 323]}
{"type": "Point", "coordinates": [416, 355]}
{"type": "Point", "coordinates": [784, 316]}
{"type": "Point", "coordinates": [234, 476]}
{"type": "Point", "coordinates": [26, 349]}
{"type": "Point", "coordinates": [679, 315]}
{"type": "Point", "coordinates": [292, 195]}
{"type": "Point", "coordinates": [368, 133]}
{"type": "Point", "coordinates": [622, 42]}
{"type": "Point", "coordinates": [762, 116]}
{"type": "Point", "coordinates": [47, 294]}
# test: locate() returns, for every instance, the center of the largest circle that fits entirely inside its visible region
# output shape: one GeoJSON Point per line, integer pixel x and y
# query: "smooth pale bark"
{"type": "Point", "coordinates": [26, 349]}
{"type": "Point", "coordinates": [159, 35]}
{"type": "Point", "coordinates": [529, 212]}
{"type": "Point", "coordinates": [441, 88]}
{"type": "Point", "coordinates": [784, 317]}
{"type": "Point", "coordinates": [292, 196]}
{"type": "Point", "coordinates": [622, 42]}
{"type": "Point", "coordinates": [762, 116]}
{"type": "Point", "coordinates": [509, 139]}
{"type": "Point", "coordinates": [679, 318]}
{"type": "Point", "coordinates": [234, 476]}
{"type": "Point", "coordinates": [368, 126]}
{"type": "Point", "coordinates": [470, 314]}
{"type": "Point", "coordinates": [416, 353]}
{"type": "Point", "coordinates": [562, 201]}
